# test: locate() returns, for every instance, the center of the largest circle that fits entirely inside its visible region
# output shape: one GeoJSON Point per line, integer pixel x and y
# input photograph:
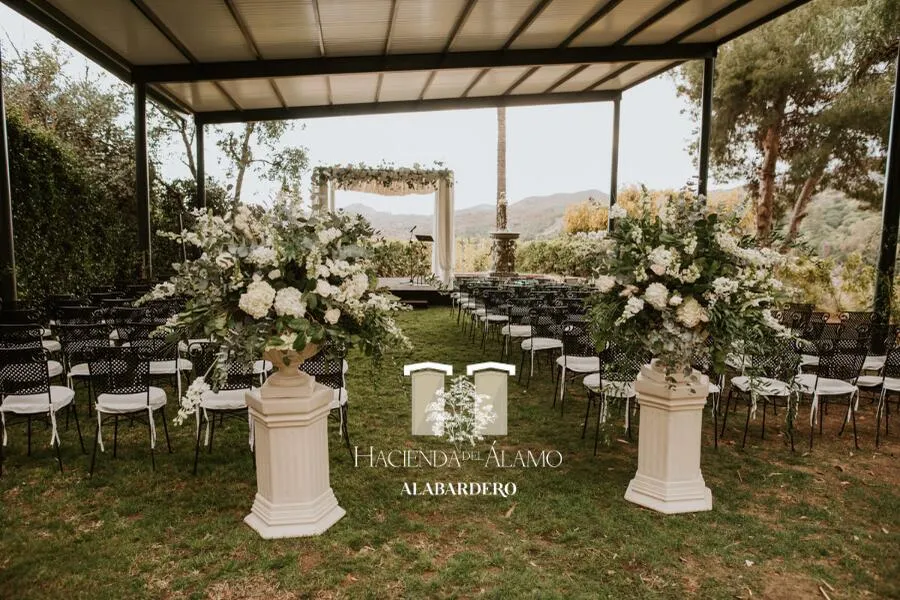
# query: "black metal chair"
{"type": "Point", "coordinates": [27, 336]}
{"type": "Point", "coordinates": [615, 379]}
{"type": "Point", "coordinates": [121, 379]}
{"type": "Point", "coordinates": [229, 402]}
{"type": "Point", "coordinates": [545, 336]}
{"type": "Point", "coordinates": [579, 358]}
{"type": "Point", "coordinates": [328, 369]}
{"type": "Point", "coordinates": [25, 390]}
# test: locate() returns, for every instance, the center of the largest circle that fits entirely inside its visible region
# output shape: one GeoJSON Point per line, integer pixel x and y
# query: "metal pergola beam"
{"type": "Point", "coordinates": [60, 25]}
{"type": "Point", "coordinates": [199, 133]}
{"type": "Point", "coordinates": [142, 176]}
{"type": "Point", "coordinates": [706, 96]}
{"type": "Point", "coordinates": [375, 108]}
{"type": "Point", "coordinates": [614, 167]}
{"type": "Point", "coordinates": [339, 65]}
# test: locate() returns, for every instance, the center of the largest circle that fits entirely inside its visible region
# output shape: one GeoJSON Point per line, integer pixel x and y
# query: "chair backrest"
{"type": "Point", "coordinates": [327, 367]}
{"type": "Point", "coordinates": [855, 319]}
{"type": "Point", "coordinates": [842, 358]}
{"type": "Point", "coordinates": [79, 340]}
{"type": "Point", "coordinates": [79, 314]}
{"type": "Point", "coordinates": [544, 323]}
{"type": "Point", "coordinates": [239, 375]}
{"type": "Point", "coordinates": [24, 372]}
{"type": "Point", "coordinates": [814, 326]}
{"type": "Point", "coordinates": [20, 336]}
{"type": "Point", "coordinates": [617, 364]}
{"type": "Point", "coordinates": [121, 370]}
{"type": "Point", "coordinates": [780, 361]}
{"type": "Point", "coordinates": [19, 316]}
{"type": "Point", "coordinates": [577, 340]}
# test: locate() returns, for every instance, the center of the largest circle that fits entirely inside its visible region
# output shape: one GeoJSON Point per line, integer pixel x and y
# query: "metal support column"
{"type": "Point", "coordinates": [142, 176]}
{"type": "Point", "coordinates": [890, 215]}
{"type": "Point", "coordinates": [7, 242]}
{"type": "Point", "coordinates": [709, 65]}
{"type": "Point", "coordinates": [201, 164]}
{"type": "Point", "coordinates": [614, 169]}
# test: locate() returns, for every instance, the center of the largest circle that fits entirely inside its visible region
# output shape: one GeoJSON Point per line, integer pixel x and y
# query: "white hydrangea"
{"type": "Point", "coordinates": [675, 300]}
{"type": "Point", "coordinates": [257, 300]}
{"type": "Point", "coordinates": [241, 221]}
{"type": "Point", "coordinates": [617, 212]}
{"type": "Point", "coordinates": [328, 235]}
{"type": "Point", "coordinates": [332, 315]}
{"type": "Point", "coordinates": [289, 302]}
{"type": "Point", "coordinates": [724, 287]}
{"type": "Point", "coordinates": [660, 259]}
{"type": "Point", "coordinates": [323, 288]}
{"type": "Point", "coordinates": [341, 268]}
{"type": "Point", "coordinates": [605, 283]}
{"type": "Point", "coordinates": [263, 256]}
{"type": "Point", "coordinates": [322, 272]}
{"type": "Point", "coordinates": [691, 313]}
{"type": "Point", "coordinates": [275, 274]}
{"type": "Point", "coordinates": [656, 295]}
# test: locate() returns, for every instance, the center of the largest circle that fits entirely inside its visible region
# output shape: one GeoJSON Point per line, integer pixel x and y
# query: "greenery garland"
{"type": "Point", "coordinates": [385, 174]}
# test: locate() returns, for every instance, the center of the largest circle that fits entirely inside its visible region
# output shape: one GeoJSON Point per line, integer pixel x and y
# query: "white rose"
{"type": "Point", "coordinates": [332, 315]}
{"type": "Point", "coordinates": [605, 283]}
{"type": "Point", "coordinates": [323, 288]}
{"type": "Point", "coordinates": [274, 274]}
{"type": "Point", "coordinates": [257, 300]}
{"type": "Point", "coordinates": [690, 313]}
{"type": "Point", "coordinates": [289, 302]}
{"type": "Point", "coordinates": [656, 295]}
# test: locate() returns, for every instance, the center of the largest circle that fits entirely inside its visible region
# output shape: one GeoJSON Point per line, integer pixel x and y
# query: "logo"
{"type": "Point", "coordinates": [460, 414]}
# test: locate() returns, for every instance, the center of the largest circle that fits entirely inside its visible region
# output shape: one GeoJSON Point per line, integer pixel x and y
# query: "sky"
{"type": "Point", "coordinates": [550, 149]}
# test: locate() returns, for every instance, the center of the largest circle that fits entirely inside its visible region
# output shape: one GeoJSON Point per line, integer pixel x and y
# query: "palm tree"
{"type": "Point", "coordinates": [501, 168]}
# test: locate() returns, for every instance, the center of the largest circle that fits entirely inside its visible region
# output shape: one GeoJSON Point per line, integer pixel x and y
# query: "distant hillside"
{"type": "Point", "coordinates": [535, 216]}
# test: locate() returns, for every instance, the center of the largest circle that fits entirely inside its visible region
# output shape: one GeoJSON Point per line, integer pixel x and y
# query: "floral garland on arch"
{"type": "Point", "coordinates": [685, 285]}
{"type": "Point", "coordinates": [385, 175]}
{"type": "Point", "coordinates": [277, 279]}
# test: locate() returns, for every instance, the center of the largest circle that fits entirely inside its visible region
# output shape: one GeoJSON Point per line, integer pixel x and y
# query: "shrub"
{"type": "Point", "coordinates": [570, 255]}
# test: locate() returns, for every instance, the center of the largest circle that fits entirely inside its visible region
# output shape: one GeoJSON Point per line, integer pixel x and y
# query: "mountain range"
{"type": "Point", "coordinates": [533, 217]}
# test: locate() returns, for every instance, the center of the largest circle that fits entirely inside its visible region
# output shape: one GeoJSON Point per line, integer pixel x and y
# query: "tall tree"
{"type": "Point", "coordinates": [798, 105]}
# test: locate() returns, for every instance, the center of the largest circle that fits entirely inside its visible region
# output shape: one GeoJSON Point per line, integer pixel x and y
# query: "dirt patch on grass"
{"type": "Point", "coordinates": [251, 588]}
{"type": "Point", "coordinates": [790, 586]}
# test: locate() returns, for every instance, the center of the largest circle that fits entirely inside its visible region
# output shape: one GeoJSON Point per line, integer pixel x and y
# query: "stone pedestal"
{"type": "Point", "coordinates": [668, 477]}
{"type": "Point", "coordinates": [504, 253]}
{"type": "Point", "coordinates": [294, 497]}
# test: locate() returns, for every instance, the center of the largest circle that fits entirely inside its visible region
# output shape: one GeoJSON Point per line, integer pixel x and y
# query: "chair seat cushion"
{"type": "Point", "coordinates": [516, 331]}
{"type": "Point", "coordinates": [54, 368]}
{"type": "Point", "coordinates": [809, 360]}
{"type": "Point", "coordinates": [339, 398]}
{"type": "Point", "coordinates": [616, 389]}
{"type": "Point", "coordinates": [869, 381]}
{"type": "Point", "coordinates": [80, 370]}
{"type": "Point", "coordinates": [541, 343]}
{"type": "Point", "coordinates": [579, 364]}
{"type": "Point", "coordinates": [29, 404]}
{"type": "Point", "coordinates": [167, 367]}
{"type": "Point", "coordinates": [764, 386]}
{"type": "Point", "coordinates": [51, 345]}
{"type": "Point", "coordinates": [714, 388]}
{"type": "Point", "coordinates": [497, 318]}
{"type": "Point", "coordinates": [126, 403]}
{"type": "Point", "coordinates": [891, 384]}
{"type": "Point", "coordinates": [225, 399]}
{"type": "Point", "coordinates": [874, 363]}
{"type": "Point", "coordinates": [824, 386]}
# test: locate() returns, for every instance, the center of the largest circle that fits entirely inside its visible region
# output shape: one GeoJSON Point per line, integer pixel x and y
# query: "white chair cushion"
{"type": "Point", "coordinates": [824, 386]}
{"type": "Point", "coordinates": [580, 364]}
{"type": "Point", "coordinates": [809, 360]}
{"type": "Point", "coordinates": [874, 363]}
{"type": "Point", "coordinates": [616, 389]}
{"type": "Point", "coordinates": [497, 318]}
{"type": "Point", "coordinates": [868, 381]}
{"type": "Point", "coordinates": [54, 368]}
{"type": "Point", "coordinates": [541, 343]}
{"type": "Point", "coordinates": [225, 399]}
{"type": "Point", "coordinates": [51, 345]}
{"type": "Point", "coordinates": [167, 367]}
{"type": "Point", "coordinates": [80, 370]}
{"type": "Point", "coordinates": [183, 347]}
{"type": "Point", "coordinates": [339, 398]}
{"type": "Point", "coordinates": [764, 386]}
{"type": "Point", "coordinates": [714, 388]}
{"type": "Point", "coordinates": [45, 332]}
{"type": "Point", "coordinates": [261, 366]}
{"type": "Point", "coordinates": [891, 383]}
{"type": "Point", "coordinates": [516, 331]}
{"type": "Point", "coordinates": [479, 312]}
{"type": "Point", "coordinates": [29, 404]}
{"type": "Point", "coordinates": [125, 403]}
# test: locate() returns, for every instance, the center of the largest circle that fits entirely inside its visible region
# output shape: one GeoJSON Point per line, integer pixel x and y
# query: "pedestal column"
{"type": "Point", "coordinates": [668, 477]}
{"type": "Point", "coordinates": [504, 253]}
{"type": "Point", "coordinates": [294, 496]}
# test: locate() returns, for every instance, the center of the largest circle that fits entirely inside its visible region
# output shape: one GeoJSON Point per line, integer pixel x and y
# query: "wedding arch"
{"type": "Point", "coordinates": [388, 180]}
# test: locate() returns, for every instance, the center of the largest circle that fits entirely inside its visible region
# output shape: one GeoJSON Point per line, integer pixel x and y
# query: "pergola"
{"type": "Point", "coordinates": [250, 60]}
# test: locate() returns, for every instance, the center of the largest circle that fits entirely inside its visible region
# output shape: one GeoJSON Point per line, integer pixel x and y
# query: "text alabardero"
{"type": "Point", "coordinates": [492, 458]}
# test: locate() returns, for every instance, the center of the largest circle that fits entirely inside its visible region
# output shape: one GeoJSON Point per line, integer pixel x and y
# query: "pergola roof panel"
{"type": "Point", "coordinates": [556, 22]}
{"type": "Point", "coordinates": [121, 26]}
{"type": "Point", "coordinates": [490, 24]}
{"type": "Point", "coordinates": [282, 28]}
{"type": "Point", "coordinates": [205, 27]}
{"type": "Point", "coordinates": [618, 22]}
{"type": "Point", "coordinates": [232, 60]}
{"type": "Point", "coordinates": [354, 27]}
{"type": "Point", "coordinates": [423, 26]}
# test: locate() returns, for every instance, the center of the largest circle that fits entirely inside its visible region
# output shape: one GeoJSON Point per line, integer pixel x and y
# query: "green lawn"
{"type": "Point", "coordinates": [782, 525]}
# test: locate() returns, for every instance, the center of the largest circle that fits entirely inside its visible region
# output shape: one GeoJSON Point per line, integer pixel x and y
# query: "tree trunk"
{"type": "Point", "coordinates": [501, 168]}
{"type": "Point", "coordinates": [188, 147]}
{"type": "Point", "coordinates": [244, 162]}
{"type": "Point", "coordinates": [802, 204]}
{"type": "Point", "coordinates": [765, 204]}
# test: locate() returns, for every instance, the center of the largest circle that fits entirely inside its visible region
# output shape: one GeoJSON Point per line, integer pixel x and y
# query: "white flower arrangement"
{"type": "Point", "coordinates": [277, 279]}
{"type": "Point", "coordinates": [460, 413]}
{"type": "Point", "coordinates": [684, 285]}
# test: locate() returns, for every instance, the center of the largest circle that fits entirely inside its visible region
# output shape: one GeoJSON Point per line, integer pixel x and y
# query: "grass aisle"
{"type": "Point", "coordinates": [782, 525]}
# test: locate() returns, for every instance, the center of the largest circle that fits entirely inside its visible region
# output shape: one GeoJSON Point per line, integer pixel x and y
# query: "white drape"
{"type": "Point", "coordinates": [444, 239]}
{"type": "Point", "coordinates": [321, 196]}
{"type": "Point", "coordinates": [331, 197]}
